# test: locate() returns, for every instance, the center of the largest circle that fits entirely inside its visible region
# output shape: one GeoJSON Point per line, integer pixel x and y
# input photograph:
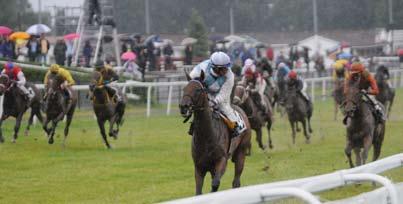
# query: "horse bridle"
{"type": "Point", "coordinates": [195, 106]}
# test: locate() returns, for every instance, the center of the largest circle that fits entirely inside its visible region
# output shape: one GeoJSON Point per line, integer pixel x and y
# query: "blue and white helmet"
{"type": "Point", "coordinates": [220, 59]}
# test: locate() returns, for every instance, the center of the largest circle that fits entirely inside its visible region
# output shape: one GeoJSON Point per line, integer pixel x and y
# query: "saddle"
{"type": "Point", "coordinates": [231, 125]}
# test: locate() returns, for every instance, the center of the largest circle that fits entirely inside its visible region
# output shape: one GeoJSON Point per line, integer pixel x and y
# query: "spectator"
{"type": "Point", "coordinates": [2, 46]}
{"type": "Point", "coordinates": [44, 45]}
{"type": "Point", "coordinates": [21, 50]}
{"type": "Point", "coordinates": [33, 49]}
{"type": "Point", "coordinates": [59, 51]}
{"type": "Point", "coordinates": [87, 52]}
{"type": "Point", "coordinates": [151, 55]}
{"type": "Point", "coordinates": [94, 12]}
{"type": "Point", "coordinates": [8, 50]}
{"type": "Point", "coordinates": [269, 54]}
{"type": "Point", "coordinates": [69, 52]}
{"type": "Point", "coordinates": [168, 52]}
{"type": "Point", "coordinates": [188, 54]}
{"type": "Point", "coordinates": [306, 57]}
{"type": "Point", "coordinates": [281, 58]}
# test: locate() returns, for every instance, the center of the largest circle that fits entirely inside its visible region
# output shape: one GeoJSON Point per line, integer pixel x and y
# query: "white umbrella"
{"type": "Point", "coordinates": [235, 38]}
{"type": "Point", "coordinates": [38, 29]}
{"type": "Point", "coordinates": [188, 41]}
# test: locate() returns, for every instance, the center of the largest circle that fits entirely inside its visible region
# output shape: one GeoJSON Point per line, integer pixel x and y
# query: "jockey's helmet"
{"type": "Point", "coordinates": [292, 74]}
{"type": "Point", "coordinates": [54, 68]}
{"type": "Point", "coordinates": [99, 64]}
{"type": "Point", "coordinates": [281, 65]}
{"type": "Point", "coordinates": [357, 68]}
{"type": "Point", "coordinates": [9, 65]}
{"type": "Point", "coordinates": [221, 63]}
{"type": "Point", "coordinates": [249, 73]}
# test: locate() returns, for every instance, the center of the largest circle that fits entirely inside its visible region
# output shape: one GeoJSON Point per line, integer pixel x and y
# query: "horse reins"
{"type": "Point", "coordinates": [194, 107]}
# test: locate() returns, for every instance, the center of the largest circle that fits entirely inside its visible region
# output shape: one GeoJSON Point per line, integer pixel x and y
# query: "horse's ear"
{"type": "Point", "coordinates": [187, 75]}
{"type": "Point", "coordinates": [202, 75]}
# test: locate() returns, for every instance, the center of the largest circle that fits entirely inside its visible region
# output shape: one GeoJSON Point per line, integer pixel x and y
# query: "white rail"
{"type": "Point", "coordinates": [252, 194]}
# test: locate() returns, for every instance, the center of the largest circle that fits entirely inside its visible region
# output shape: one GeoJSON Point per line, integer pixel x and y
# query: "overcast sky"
{"type": "Point", "coordinates": [46, 3]}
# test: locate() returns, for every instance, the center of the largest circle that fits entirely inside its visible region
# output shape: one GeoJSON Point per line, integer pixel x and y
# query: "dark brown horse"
{"type": "Point", "coordinates": [298, 111]}
{"type": "Point", "coordinates": [245, 100]}
{"type": "Point", "coordinates": [362, 129]}
{"type": "Point", "coordinates": [15, 104]}
{"type": "Point", "coordinates": [57, 107]}
{"type": "Point", "coordinates": [386, 93]}
{"type": "Point", "coordinates": [211, 138]}
{"type": "Point", "coordinates": [338, 95]}
{"type": "Point", "coordinates": [106, 108]}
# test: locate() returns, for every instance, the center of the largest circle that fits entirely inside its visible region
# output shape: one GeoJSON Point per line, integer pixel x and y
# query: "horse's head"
{"type": "Point", "coordinates": [194, 97]}
{"type": "Point", "coordinates": [4, 83]}
{"type": "Point", "coordinates": [353, 99]}
{"type": "Point", "coordinates": [240, 94]}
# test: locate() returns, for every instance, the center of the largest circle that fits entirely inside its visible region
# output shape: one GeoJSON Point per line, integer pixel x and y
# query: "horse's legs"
{"type": "Point", "coordinates": [3, 117]}
{"type": "Point", "coordinates": [306, 134]}
{"type": "Point", "coordinates": [347, 151]}
{"type": "Point", "coordinates": [367, 146]}
{"type": "Point", "coordinates": [239, 161]}
{"type": "Point", "coordinates": [297, 127]}
{"type": "Point", "coordinates": [259, 138]}
{"type": "Point", "coordinates": [309, 125]}
{"type": "Point", "coordinates": [66, 128]}
{"type": "Point", "coordinates": [199, 178]}
{"type": "Point", "coordinates": [101, 125]}
{"type": "Point", "coordinates": [112, 121]}
{"type": "Point", "coordinates": [358, 159]}
{"type": "Point", "coordinates": [269, 124]}
{"type": "Point", "coordinates": [218, 173]}
{"type": "Point", "coordinates": [45, 126]}
{"type": "Point", "coordinates": [52, 132]}
{"type": "Point", "coordinates": [293, 131]}
{"type": "Point", "coordinates": [17, 127]}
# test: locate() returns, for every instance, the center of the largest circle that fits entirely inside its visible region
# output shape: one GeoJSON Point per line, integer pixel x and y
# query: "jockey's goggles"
{"type": "Point", "coordinates": [222, 66]}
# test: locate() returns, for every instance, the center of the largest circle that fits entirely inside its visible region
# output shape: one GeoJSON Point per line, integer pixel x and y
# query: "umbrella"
{"type": "Point", "coordinates": [345, 55]}
{"type": "Point", "coordinates": [19, 35]}
{"type": "Point", "coordinates": [38, 29]}
{"type": "Point", "coordinates": [235, 38]}
{"type": "Point", "coordinates": [129, 55]}
{"type": "Point", "coordinates": [216, 38]}
{"type": "Point", "coordinates": [152, 38]}
{"type": "Point", "coordinates": [188, 41]}
{"type": "Point", "coordinates": [71, 36]}
{"type": "Point", "coordinates": [5, 30]}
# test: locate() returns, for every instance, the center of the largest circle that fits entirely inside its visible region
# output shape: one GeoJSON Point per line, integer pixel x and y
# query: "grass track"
{"type": "Point", "coordinates": [151, 160]}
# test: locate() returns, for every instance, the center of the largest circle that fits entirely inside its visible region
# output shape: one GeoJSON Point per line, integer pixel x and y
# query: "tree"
{"type": "Point", "coordinates": [197, 30]}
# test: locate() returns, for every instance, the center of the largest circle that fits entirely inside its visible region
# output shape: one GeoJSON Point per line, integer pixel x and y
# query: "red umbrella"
{"type": "Point", "coordinates": [128, 56]}
{"type": "Point", "coordinates": [71, 36]}
{"type": "Point", "coordinates": [5, 30]}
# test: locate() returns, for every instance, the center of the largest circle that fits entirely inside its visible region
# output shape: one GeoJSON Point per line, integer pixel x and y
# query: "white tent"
{"type": "Point", "coordinates": [318, 43]}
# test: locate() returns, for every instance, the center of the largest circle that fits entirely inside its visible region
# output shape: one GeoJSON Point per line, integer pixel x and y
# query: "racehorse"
{"type": "Point", "coordinates": [298, 111]}
{"type": "Point", "coordinates": [106, 109]}
{"type": "Point", "coordinates": [57, 107]}
{"type": "Point", "coordinates": [211, 137]}
{"type": "Point", "coordinates": [15, 104]}
{"type": "Point", "coordinates": [386, 93]}
{"type": "Point", "coordinates": [338, 95]}
{"type": "Point", "coordinates": [245, 100]}
{"type": "Point", "coordinates": [362, 129]}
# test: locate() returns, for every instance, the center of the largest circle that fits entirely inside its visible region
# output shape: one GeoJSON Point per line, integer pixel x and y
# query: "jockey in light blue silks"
{"type": "Point", "coordinates": [219, 81]}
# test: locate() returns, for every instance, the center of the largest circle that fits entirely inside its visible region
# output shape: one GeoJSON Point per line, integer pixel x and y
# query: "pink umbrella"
{"type": "Point", "coordinates": [71, 36]}
{"type": "Point", "coordinates": [129, 55]}
{"type": "Point", "coordinates": [5, 30]}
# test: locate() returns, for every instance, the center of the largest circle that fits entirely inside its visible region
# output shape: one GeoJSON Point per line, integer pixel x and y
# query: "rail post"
{"type": "Point", "coordinates": [169, 100]}
{"type": "Point", "coordinates": [149, 101]}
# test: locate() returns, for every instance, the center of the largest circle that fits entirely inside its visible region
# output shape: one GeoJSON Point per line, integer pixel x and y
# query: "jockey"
{"type": "Point", "coordinates": [108, 77]}
{"type": "Point", "coordinates": [339, 70]}
{"type": "Point", "coordinates": [15, 73]}
{"type": "Point", "coordinates": [282, 73]}
{"type": "Point", "coordinates": [366, 81]}
{"type": "Point", "coordinates": [219, 81]}
{"type": "Point", "coordinates": [254, 80]}
{"type": "Point", "coordinates": [293, 80]}
{"type": "Point", "coordinates": [68, 80]}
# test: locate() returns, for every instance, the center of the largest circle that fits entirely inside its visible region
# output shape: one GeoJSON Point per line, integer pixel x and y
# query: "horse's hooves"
{"type": "Point", "coordinates": [308, 141]}
{"type": "Point", "coordinates": [13, 140]}
{"type": "Point", "coordinates": [1, 140]}
{"type": "Point", "coordinates": [298, 130]}
{"type": "Point", "coordinates": [310, 131]}
{"type": "Point", "coordinates": [271, 146]}
{"type": "Point", "coordinates": [108, 147]}
{"type": "Point", "coordinates": [50, 141]}
{"type": "Point", "coordinates": [26, 133]}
